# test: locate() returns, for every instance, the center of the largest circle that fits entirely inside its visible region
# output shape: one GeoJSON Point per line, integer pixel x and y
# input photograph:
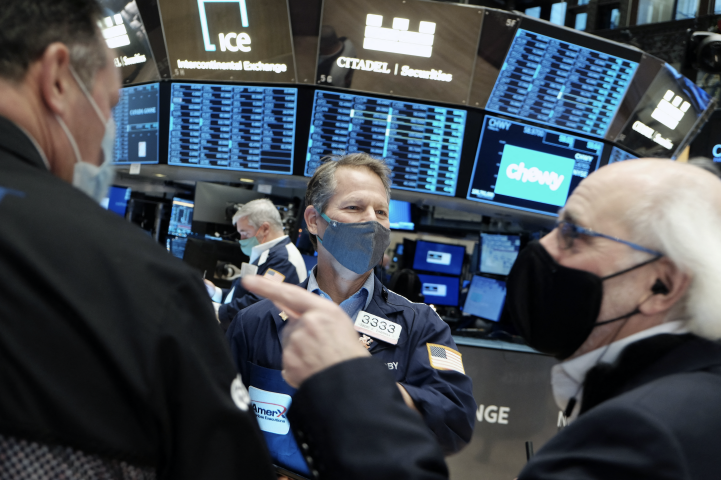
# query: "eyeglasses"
{"type": "Point", "coordinates": [568, 232]}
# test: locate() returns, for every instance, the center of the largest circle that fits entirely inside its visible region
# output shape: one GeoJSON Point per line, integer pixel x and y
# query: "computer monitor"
{"type": "Point", "coordinates": [486, 297]}
{"type": "Point", "coordinates": [618, 155]}
{"type": "Point", "coordinates": [498, 253]}
{"type": "Point", "coordinates": [400, 215]}
{"type": "Point", "coordinates": [529, 168]}
{"type": "Point", "coordinates": [176, 246]}
{"type": "Point", "coordinates": [137, 117]}
{"type": "Point", "coordinates": [181, 217]}
{"type": "Point", "coordinates": [212, 201]}
{"type": "Point", "coordinates": [117, 200]}
{"type": "Point", "coordinates": [439, 290]}
{"type": "Point", "coordinates": [439, 257]}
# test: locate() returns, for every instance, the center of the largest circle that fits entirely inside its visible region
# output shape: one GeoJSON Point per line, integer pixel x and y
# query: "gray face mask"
{"type": "Point", "coordinates": [357, 246]}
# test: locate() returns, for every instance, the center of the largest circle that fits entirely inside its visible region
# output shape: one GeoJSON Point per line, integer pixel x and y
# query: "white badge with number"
{"type": "Point", "coordinates": [378, 327]}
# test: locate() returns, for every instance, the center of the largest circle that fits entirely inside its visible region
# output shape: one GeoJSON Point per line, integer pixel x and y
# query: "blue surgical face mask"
{"type": "Point", "coordinates": [357, 246]}
{"type": "Point", "coordinates": [87, 177]}
{"type": "Point", "coordinates": [247, 244]}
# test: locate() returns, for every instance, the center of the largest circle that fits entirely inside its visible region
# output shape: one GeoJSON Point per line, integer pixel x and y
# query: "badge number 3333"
{"type": "Point", "coordinates": [378, 327]}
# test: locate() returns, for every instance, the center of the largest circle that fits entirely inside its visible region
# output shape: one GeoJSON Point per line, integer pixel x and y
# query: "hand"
{"type": "Point", "coordinates": [210, 287]}
{"type": "Point", "coordinates": [319, 334]}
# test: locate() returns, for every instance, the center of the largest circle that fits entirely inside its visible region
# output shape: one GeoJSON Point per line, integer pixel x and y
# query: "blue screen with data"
{"type": "Point", "coordinates": [486, 297]}
{"type": "Point", "coordinates": [439, 290]}
{"type": "Point", "coordinates": [439, 257]}
{"type": "Point", "coordinates": [498, 253]}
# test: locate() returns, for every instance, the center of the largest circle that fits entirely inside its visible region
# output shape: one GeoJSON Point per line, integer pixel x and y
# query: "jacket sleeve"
{"type": "Point", "coordinates": [351, 422]}
{"type": "Point", "coordinates": [618, 442]}
{"type": "Point", "coordinates": [444, 397]}
{"type": "Point", "coordinates": [206, 431]}
{"type": "Point", "coordinates": [243, 298]}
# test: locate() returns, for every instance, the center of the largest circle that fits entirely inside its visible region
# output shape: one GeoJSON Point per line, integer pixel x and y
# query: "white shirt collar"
{"type": "Point", "coordinates": [567, 377]}
{"type": "Point", "coordinates": [258, 249]}
{"type": "Point", "coordinates": [368, 285]}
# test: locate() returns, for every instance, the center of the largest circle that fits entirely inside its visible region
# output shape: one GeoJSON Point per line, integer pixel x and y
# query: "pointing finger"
{"type": "Point", "coordinates": [294, 300]}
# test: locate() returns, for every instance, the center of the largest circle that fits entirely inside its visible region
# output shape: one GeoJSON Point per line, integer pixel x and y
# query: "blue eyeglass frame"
{"type": "Point", "coordinates": [578, 230]}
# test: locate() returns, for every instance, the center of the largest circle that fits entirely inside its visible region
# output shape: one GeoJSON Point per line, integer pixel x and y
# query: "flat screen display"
{"type": "Point", "coordinates": [618, 155]}
{"type": "Point", "coordinates": [558, 83]}
{"type": "Point", "coordinates": [498, 253]}
{"type": "Point", "coordinates": [181, 217]}
{"type": "Point", "coordinates": [420, 143]}
{"type": "Point", "coordinates": [439, 257]}
{"type": "Point", "coordinates": [486, 297]}
{"type": "Point", "coordinates": [176, 246]}
{"type": "Point", "coordinates": [117, 200]}
{"type": "Point", "coordinates": [400, 215]}
{"type": "Point", "coordinates": [136, 125]}
{"type": "Point", "coordinates": [232, 127]}
{"type": "Point", "coordinates": [439, 290]}
{"type": "Point", "coordinates": [529, 168]}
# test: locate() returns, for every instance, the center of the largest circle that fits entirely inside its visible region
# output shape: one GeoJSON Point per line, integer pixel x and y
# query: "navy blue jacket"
{"type": "Point", "coordinates": [444, 397]}
{"type": "Point", "coordinates": [278, 260]}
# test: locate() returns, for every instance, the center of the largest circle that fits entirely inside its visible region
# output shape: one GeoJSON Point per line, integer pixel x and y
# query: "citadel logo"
{"type": "Point", "coordinates": [670, 110]}
{"type": "Point", "coordinates": [241, 40]}
{"type": "Point", "coordinates": [398, 39]}
{"type": "Point", "coordinates": [114, 31]}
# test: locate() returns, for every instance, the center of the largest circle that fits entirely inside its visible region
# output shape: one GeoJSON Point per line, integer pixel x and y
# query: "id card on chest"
{"type": "Point", "coordinates": [378, 328]}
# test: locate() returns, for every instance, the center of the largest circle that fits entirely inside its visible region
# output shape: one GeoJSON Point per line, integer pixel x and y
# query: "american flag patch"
{"type": "Point", "coordinates": [274, 275]}
{"type": "Point", "coordinates": [444, 358]}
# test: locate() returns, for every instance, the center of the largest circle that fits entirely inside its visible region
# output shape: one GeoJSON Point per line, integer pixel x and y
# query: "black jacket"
{"type": "Point", "coordinates": [108, 344]}
{"type": "Point", "coordinates": [654, 414]}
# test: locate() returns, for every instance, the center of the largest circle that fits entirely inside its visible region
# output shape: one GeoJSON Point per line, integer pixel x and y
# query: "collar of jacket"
{"type": "Point", "coordinates": [647, 360]}
{"type": "Point", "coordinates": [379, 306]}
{"type": "Point", "coordinates": [16, 142]}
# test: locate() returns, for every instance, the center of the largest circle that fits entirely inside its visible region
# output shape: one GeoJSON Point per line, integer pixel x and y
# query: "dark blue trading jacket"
{"type": "Point", "coordinates": [444, 397]}
{"type": "Point", "coordinates": [278, 260]}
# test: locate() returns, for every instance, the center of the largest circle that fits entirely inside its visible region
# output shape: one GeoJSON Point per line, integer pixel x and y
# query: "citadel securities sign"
{"type": "Point", "coordinates": [242, 40]}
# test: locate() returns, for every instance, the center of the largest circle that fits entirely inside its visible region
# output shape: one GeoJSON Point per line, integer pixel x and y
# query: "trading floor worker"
{"type": "Point", "coordinates": [347, 211]}
{"type": "Point", "coordinates": [111, 362]}
{"type": "Point", "coordinates": [271, 253]}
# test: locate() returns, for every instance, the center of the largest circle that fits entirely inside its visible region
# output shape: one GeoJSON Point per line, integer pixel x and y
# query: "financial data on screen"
{"type": "Point", "coordinates": [421, 143]}
{"type": "Point", "coordinates": [486, 297]}
{"type": "Point", "coordinates": [547, 80]}
{"type": "Point", "coordinates": [232, 127]}
{"type": "Point", "coordinates": [498, 253]}
{"type": "Point", "coordinates": [136, 125]}
{"type": "Point", "coordinates": [181, 217]}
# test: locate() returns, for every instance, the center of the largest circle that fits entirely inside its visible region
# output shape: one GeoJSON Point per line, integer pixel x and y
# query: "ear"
{"type": "Point", "coordinates": [311, 216]}
{"type": "Point", "coordinates": [54, 77]}
{"type": "Point", "coordinates": [677, 283]}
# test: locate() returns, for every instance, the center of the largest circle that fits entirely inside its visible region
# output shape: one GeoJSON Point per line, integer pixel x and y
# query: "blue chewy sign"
{"type": "Point", "coordinates": [536, 176]}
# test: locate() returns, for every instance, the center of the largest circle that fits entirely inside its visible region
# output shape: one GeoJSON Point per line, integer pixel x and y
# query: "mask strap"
{"type": "Point", "coordinates": [631, 268]}
{"type": "Point", "coordinates": [71, 139]}
{"type": "Point", "coordinates": [87, 94]}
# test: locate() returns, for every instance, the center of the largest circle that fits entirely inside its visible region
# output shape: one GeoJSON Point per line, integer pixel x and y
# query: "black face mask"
{"type": "Point", "coordinates": [554, 308]}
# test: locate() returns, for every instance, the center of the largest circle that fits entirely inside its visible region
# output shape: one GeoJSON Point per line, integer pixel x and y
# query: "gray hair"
{"type": "Point", "coordinates": [28, 27]}
{"type": "Point", "coordinates": [258, 212]}
{"type": "Point", "coordinates": [679, 215]}
{"type": "Point", "coordinates": [322, 185]}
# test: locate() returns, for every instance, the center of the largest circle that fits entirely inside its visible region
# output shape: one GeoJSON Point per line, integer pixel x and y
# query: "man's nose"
{"type": "Point", "coordinates": [369, 215]}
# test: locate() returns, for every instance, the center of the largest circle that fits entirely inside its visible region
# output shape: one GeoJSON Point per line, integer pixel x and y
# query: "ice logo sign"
{"type": "Point", "coordinates": [670, 110]}
{"type": "Point", "coordinates": [232, 42]}
{"type": "Point", "coordinates": [398, 39]}
{"type": "Point", "coordinates": [536, 176]}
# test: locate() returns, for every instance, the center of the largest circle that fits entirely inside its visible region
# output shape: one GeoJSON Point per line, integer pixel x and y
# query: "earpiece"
{"type": "Point", "coordinates": [659, 288]}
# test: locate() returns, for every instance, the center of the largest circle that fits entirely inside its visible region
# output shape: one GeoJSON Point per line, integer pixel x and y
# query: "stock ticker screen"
{"type": "Point", "coordinates": [529, 168]}
{"type": "Point", "coordinates": [232, 127]}
{"type": "Point", "coordinates": [421, 143]}
{"type": "Point", "coordinates": [136, 125]}
{"type": "Point", "coordinates": [550, 81]}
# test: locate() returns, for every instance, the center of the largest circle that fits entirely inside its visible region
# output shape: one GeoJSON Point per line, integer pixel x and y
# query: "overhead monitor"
{"type": "Point", "coordinates": [552, 80]}
{"type": "Point", "coordinates": [137, 125]}
{"type": "Point", "coordinates": [410, 48]}
{"type": "Point", "coordinates": [667, 117]}
{"type": "Point", "coordinates": [529, 168]}
{"type": "Point", "coordinates": [181, 217]}
{"type": "Point", "coordinates": [238, 40]}
{"type": "Point", "coordinates": [421, 143]}
{"type": "Point", "coordinates": [117, 200]}
{"type": "Point", "coordinates": [215, 203]}
{"type": "Point", "coordinates": [498, 253]}
{"type": "Point", "coordinates": [124, 33]}
{"type": "Point", "coordinates": [439, 257]}
{"type": "Point", "coordinates": [232, 127]}
{"type": "Point", "coordinates": [400, 215]}
{"type": "Point", "coordinates": [618, 155]}
{"type": "Point", "coordinates": [439, 290]}
{"type": "Point", "coordinates": [486, 297]}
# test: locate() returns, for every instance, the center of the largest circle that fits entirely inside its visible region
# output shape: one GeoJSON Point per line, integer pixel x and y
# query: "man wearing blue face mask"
{"type": "Point", "coordinates": [347, 215]}
{"type": "Point", "coordinates": [271, 253]}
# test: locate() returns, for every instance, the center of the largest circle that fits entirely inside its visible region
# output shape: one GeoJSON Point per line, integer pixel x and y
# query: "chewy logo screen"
{"type": "Point", "coordinates": [439, 257]}
{"type": "Point", "coordinates": [535, 176]}
{"type": "Point", "coordinates": [440, 290]}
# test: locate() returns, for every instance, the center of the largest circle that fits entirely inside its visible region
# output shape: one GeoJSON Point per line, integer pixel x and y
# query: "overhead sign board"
{"type": "Point", "coordinates": [240, 40]}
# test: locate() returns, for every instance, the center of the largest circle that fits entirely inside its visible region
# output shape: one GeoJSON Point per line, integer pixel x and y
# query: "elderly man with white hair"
{"type": "Point", "coordinates": [624, 291]}
{"type": "Point", "coordinates": [271, 253]}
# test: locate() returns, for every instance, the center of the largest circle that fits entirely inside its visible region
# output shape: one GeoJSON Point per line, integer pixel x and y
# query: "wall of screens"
{"type": "Point", "coordinates": [421, 143]}
{"type": "Point", "coordinates": [232, 127]}
{"type": "Point", "coordinates": [137, 120]}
